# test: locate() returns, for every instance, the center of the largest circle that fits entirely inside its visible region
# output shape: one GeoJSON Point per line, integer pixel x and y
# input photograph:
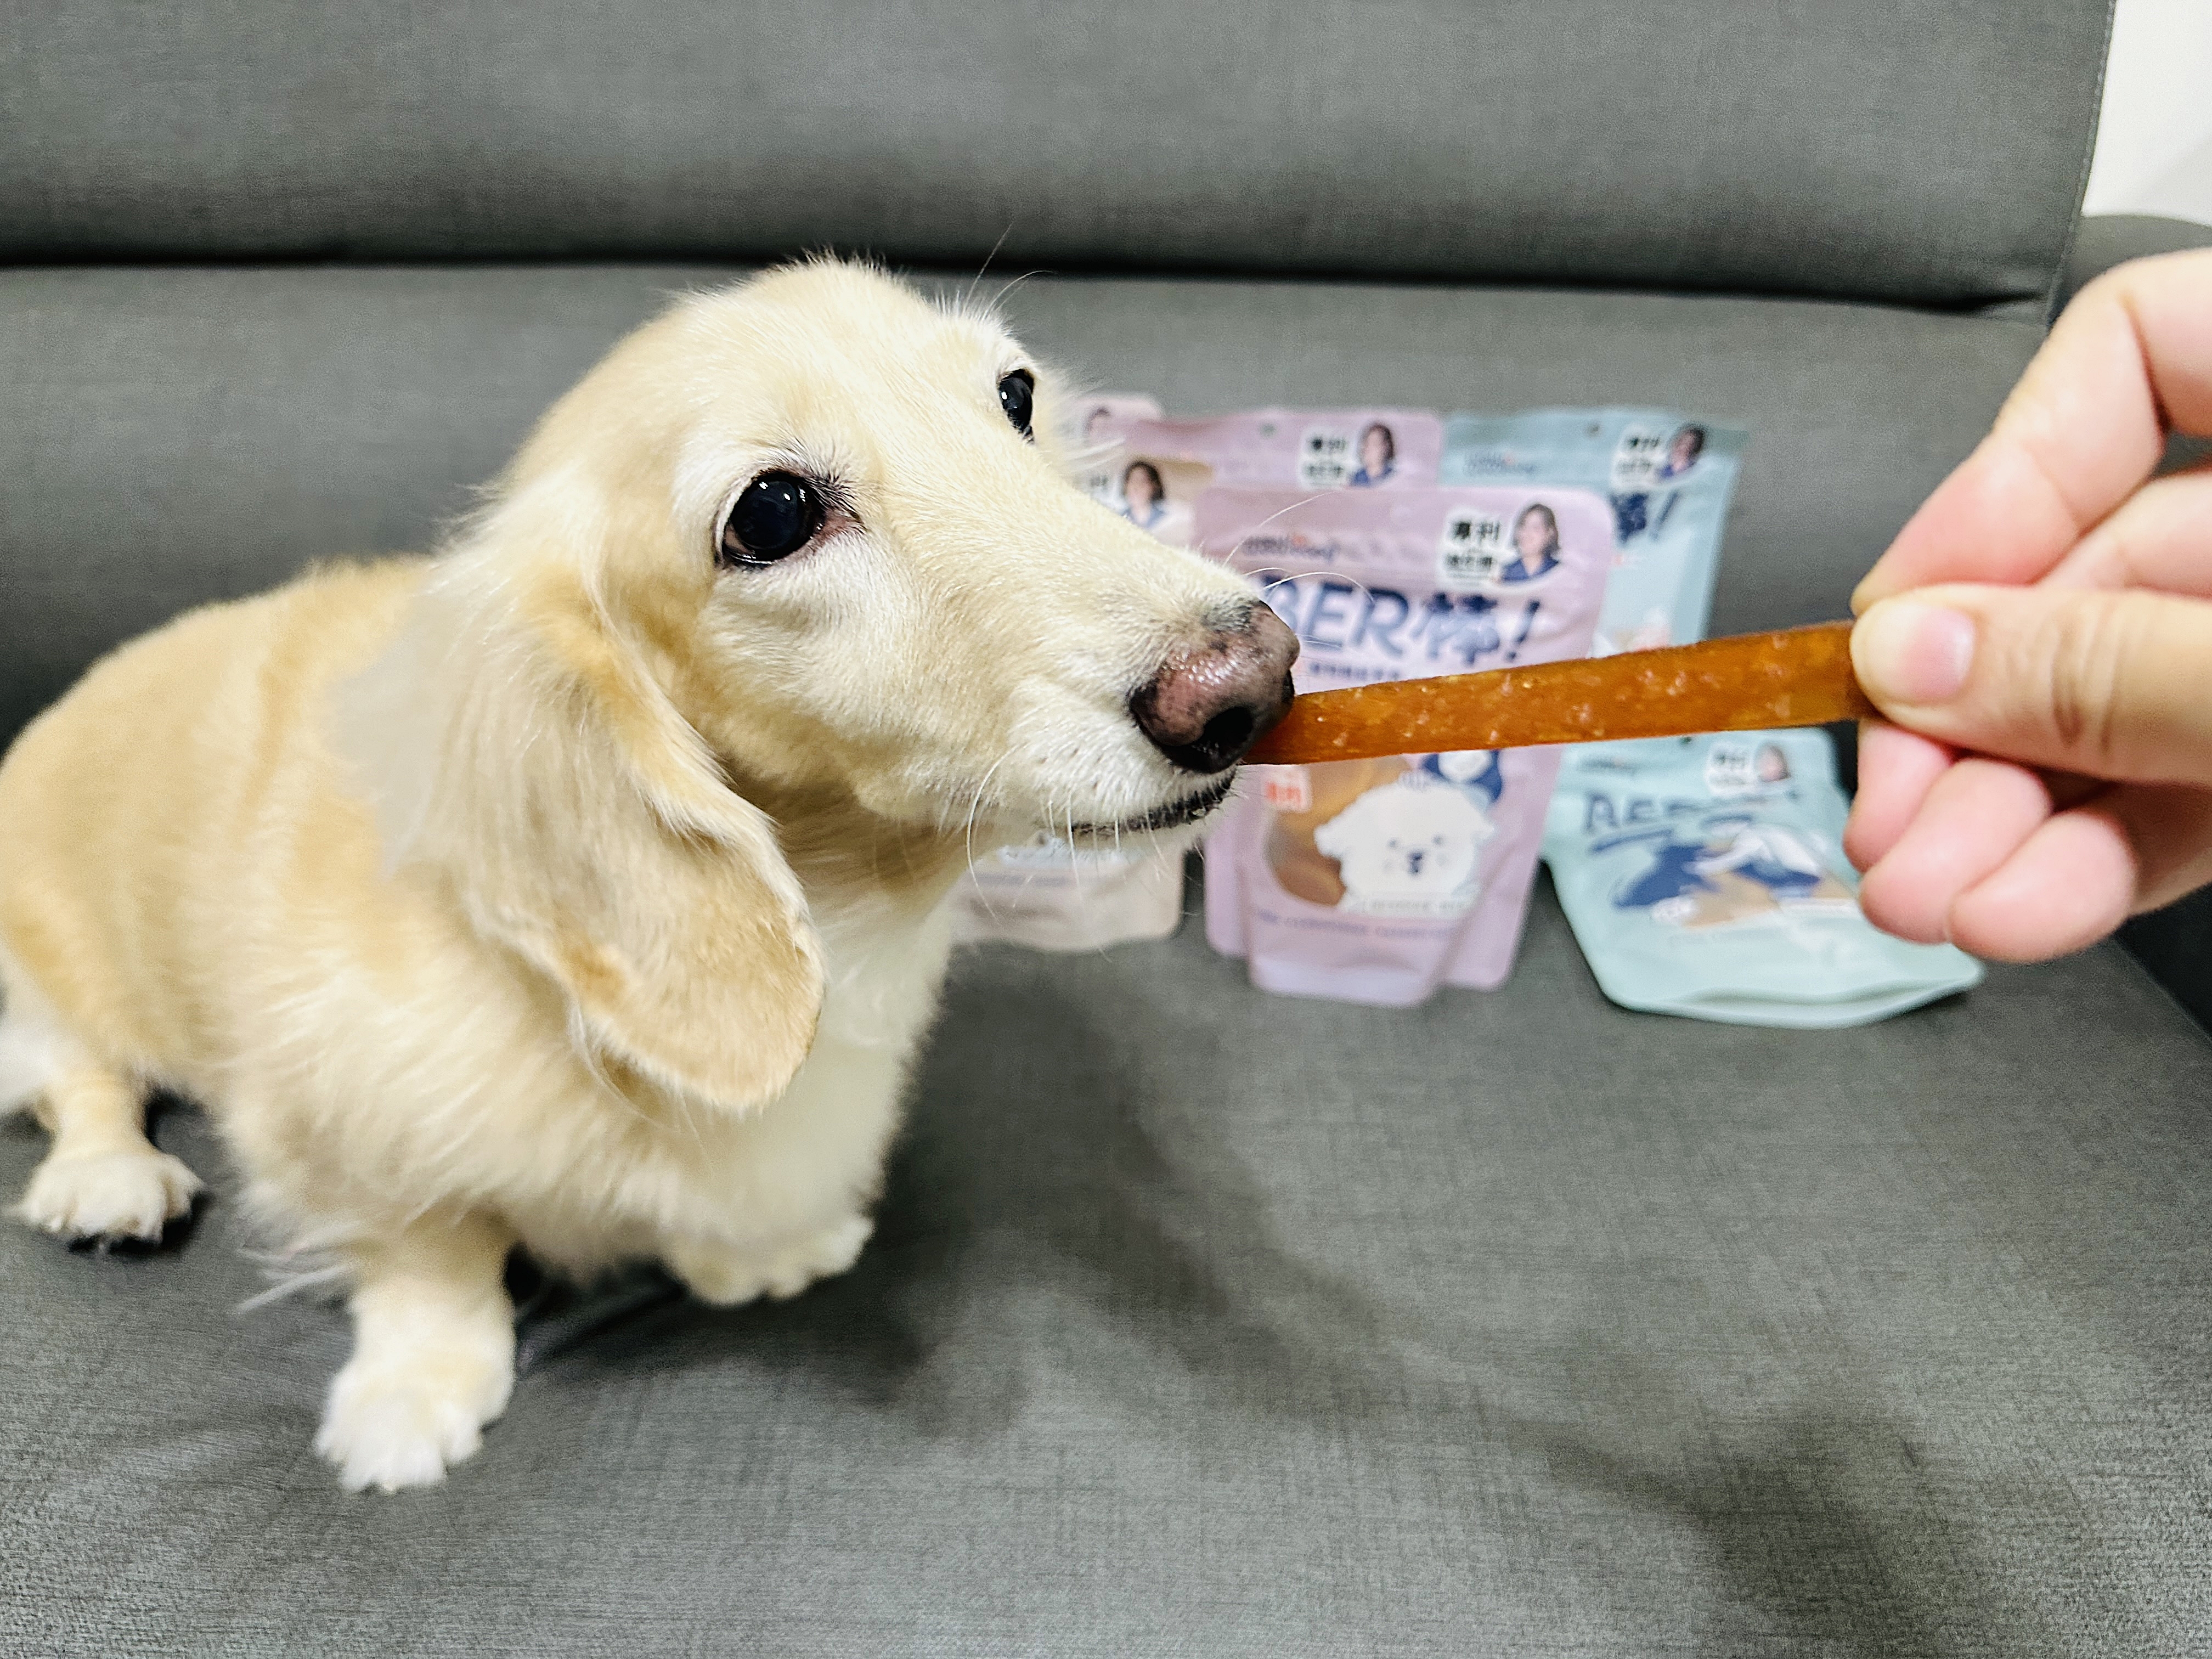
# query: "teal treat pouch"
{"type": "Point", "coordinates": [1705, 876]}
{"type": "Point", "coordinates": [1668, 480]}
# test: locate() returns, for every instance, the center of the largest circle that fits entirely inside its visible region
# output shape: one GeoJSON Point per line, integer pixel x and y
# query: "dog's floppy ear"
{"type": "Point", "coordinates": [516, 742]}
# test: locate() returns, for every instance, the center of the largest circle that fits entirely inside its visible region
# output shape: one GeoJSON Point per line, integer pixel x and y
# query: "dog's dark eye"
{"type": "Point", "coordinates": [774, 516]}
{"type": "Point", "coordinates": [1017, 397]}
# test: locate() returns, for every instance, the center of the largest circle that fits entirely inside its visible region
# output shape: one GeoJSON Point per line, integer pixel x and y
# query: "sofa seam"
{"type": "Point", "coordinates": [2056, 291]}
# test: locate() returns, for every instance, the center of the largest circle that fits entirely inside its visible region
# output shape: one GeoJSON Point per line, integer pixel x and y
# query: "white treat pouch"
{"type": "Point", "coordinates": [1377, 880]}
{"type": "Point", "coordinates": [1044, 893]}
{"type": "Point", "coordinates": [1050, 896]}
{"type": "Point", "coordinates": [1705, 876]}
{"type": "Point", "coordinates": [1667, 480]}
{"type": "Point", "coordinates": [1098, 440]}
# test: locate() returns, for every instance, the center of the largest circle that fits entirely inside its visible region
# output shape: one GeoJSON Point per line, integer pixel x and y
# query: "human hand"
{"type": "Point", "coordinates": [2040, 636]}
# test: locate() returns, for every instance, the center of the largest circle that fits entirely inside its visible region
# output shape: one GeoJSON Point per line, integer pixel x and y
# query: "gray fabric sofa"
{"type": "Point", "coordinates": [1199, 1322]}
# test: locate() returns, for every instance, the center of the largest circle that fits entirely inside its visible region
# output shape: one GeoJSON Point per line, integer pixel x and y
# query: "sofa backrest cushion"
{"type": "Point", "coordinates": [1919, 150]}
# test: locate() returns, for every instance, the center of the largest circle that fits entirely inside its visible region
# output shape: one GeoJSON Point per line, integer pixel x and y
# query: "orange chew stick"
{"type": "Point", "coordinates": [1798, 676]}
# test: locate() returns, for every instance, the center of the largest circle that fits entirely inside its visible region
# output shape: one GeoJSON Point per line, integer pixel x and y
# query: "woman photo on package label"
{"type": "Point", "coordinates": [1378, 457]}
{"type": "Point", "coordinates": [1683, 452]}
{"type": "Point", "coordinates": [1143, 497]}
{"type": "Point", "coordinates": [1536, 544]}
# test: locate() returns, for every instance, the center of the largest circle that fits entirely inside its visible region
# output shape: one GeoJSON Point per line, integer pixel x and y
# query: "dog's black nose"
{"type": "Point", "coordinates": [1207, 706]}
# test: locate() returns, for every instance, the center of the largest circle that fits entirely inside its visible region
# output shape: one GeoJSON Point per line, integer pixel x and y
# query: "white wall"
{"type": "Point", "coordinates": [2154, 144]}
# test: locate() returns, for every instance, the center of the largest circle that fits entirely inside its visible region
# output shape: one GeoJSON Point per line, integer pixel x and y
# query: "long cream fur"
{"type": "Point", "coordinates": [570, 889]}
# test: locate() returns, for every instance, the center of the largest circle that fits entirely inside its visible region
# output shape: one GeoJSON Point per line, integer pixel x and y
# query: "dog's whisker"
{"type": "Point", "coordinates": [981, 888]}
{"type": "Point", "coordinates": [1351, 582]}
{"type": "Point", "coordinates": [967, 295]}
{"type": "Point", "coordinates": [1289, 508]}
{"type": "Point", "coordinates": [1000, 298]}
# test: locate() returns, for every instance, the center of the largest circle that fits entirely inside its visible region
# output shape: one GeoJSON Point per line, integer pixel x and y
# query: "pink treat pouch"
{"type": "Point", "coordinates": [1162, 467]}
{"type": "Point", "coordinates": [1376, 880]}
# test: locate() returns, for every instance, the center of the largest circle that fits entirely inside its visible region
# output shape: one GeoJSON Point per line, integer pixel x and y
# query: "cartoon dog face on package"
{"type": "Point", "coordinates": [1410, 848]}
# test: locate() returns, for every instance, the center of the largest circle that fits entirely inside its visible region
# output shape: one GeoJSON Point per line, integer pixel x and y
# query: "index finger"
{"type": "Point", "coordinates": [2129, 360]}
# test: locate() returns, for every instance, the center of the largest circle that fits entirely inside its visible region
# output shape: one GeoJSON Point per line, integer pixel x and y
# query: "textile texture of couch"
{"type": "Point", "coordinates": [1198, 1320]}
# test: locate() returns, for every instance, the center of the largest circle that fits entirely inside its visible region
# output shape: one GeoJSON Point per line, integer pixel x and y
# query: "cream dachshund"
{"type": "Point", "coordinates": [580, 889]}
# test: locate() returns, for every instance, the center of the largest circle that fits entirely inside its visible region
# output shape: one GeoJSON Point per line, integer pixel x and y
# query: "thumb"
{"type": "Point", "coordinates": [2109, 684]}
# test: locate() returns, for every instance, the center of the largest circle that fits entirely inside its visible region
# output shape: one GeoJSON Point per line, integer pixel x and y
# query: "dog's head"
{"type": "Point", "coordinates": [837, 518]}
{"type": "Point", "coordinates": [801, 559]}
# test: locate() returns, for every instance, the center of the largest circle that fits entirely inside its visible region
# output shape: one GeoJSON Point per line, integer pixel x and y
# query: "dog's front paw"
{"type": "Point", "coordinates": [402, 1420]}
{"type": "Point", "coordinates": [124, 1194]}
{"type": "Point", "coordinates": [726, 1275]}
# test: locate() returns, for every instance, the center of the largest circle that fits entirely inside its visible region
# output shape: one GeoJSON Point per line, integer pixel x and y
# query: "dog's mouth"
{"type": "Point", "coordinates": [1173, 816]}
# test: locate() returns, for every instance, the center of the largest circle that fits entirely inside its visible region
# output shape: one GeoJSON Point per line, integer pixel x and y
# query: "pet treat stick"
{"type": "Point", "coordinates": [1798, 676]}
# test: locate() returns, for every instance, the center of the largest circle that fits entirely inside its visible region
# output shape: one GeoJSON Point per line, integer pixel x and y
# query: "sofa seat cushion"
{"type": "Point", "coordinates": [1204, 1321]}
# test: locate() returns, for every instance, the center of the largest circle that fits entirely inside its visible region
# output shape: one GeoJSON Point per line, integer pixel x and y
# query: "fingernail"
{"type": "Point", "coordinates": [1906, 651]}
